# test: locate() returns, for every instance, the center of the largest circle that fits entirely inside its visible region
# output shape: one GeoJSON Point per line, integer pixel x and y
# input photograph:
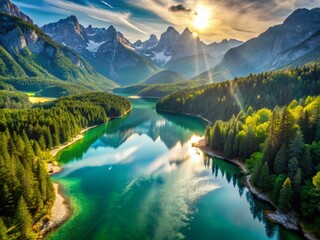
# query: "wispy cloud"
{"type": "Point", "coordinates": [107, 4]}
{"type": "Point", "coordinates": [241, 19]}
{"type": "Point", "coordinates": [120, 19]}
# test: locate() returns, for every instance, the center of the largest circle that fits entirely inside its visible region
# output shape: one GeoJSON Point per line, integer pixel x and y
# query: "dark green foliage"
{"type": "Point", "coordinates": [277, 188]}
{"type": "Point", "coordinates": [265, 181]}
{"type": "Point", "coordinates": [274, 147]}
{"type": "Point", "coordinates": [222, 100]}
{"type": "Point", "coordinates": [286, 194]}
{"type": "Point", "coordinates": [26, 190]}
{"type": "Point", "coordinates": [9, 99]}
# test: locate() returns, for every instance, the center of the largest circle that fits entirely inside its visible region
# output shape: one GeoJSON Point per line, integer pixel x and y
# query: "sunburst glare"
{"type": "Point", "coordinates": [201, 18]}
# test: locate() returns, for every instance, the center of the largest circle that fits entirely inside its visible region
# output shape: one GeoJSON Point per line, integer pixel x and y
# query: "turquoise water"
{"type": "Point", "coordinates": [139, 178]}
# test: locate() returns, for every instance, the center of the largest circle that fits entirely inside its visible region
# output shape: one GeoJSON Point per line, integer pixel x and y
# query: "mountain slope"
{"type": "Point", "coordinates": [165, 77]}
{"type": "Point", "coordinates": [27, 52]}
{"type": "Point", "coordinates": [107, 50]}
{"type": "Point", "coordinates": [276, 48]}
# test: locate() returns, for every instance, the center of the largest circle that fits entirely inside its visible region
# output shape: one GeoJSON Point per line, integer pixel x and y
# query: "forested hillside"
{"type": "Point", "coordinates": [157, 90]}
{"type": "Point", "coordinates": [27, 52]}
{"type": "Point", "coordinates": [222, 100]}
{"type": "Point", "coordinates": [282, 149]}
{"type": "Point", "coordinates": [26, 192]}
{"type": "Point", "coordinates": [12, 99]}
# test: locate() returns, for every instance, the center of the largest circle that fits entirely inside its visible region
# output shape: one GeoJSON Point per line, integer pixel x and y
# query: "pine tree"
{"type": "Point", "coordinates": [285, 197]}
{"type": "Point", "coordinates": [296, 145]}
{"type": "Point", "coordinates": [306, 164]}
{"type": "Point", "coordinates": [297, 179]}
{"type": "Point", "coordinates": [256, 173]}
{"type": "Point", "coordinates": [293, 166]}
{"type": "Point", "coordinates": [280, 164]}
{"type": "Point", "coordinates": [3, 230]}
{"type": "Point", "coordinates": [277, 188]}
{"type": "Point", "coordinates": [42, 143]}
{"type": "Point", "coordinates": [265, 181]}
{"type": "Point", "coordinates": [272, 142]}
{"type": "Point", "coordinates": [24, 219]}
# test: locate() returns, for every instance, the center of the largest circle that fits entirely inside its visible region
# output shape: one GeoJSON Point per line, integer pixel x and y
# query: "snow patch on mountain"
{"type": "Point", "coordinates": [161, 58]}
{"type": "Point", "coordinates": [94, 46]}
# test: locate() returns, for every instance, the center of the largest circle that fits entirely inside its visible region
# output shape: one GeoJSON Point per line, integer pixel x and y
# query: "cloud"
{"type": "Point", "coordinates": [179, 8]}
{"type": "Point", "coordinates": [239, 19]}
{"type": "Point", "coordinates": [107, 4]}
{"type": "Point", "coordinates": [120, 19]}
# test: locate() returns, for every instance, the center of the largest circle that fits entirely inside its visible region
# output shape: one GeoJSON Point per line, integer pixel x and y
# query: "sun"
{"type": "Point", "coordinates": [201, 18]}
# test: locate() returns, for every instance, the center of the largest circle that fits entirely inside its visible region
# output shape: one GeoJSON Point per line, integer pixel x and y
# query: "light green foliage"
{"type": "Point", "coordinates": [254, 160]}
{"type": "Point", "coordinates": [316, 180]}
{"type": "Point", "coordinates": [3, 230]}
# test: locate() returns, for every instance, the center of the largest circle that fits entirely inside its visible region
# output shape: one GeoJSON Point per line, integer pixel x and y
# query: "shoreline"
{"type": "Point", "coordinates": [185, 114]}
{"type": "Point", "coordinates": [61, 210]}
{"type": "Point", "coordinates": [55, 151]}
{"type": "Point", "coordinates": [288, 221]}
{"type": "Point", "coordinates": [202, 146]}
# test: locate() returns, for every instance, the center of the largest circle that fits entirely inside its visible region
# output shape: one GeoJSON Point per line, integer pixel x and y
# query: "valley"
{"type": "Point", "coordinates": [156, 120]}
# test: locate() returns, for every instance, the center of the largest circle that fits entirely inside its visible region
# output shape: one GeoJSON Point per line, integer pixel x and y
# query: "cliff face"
{"type": "Point", "coordinates": [6, 6]}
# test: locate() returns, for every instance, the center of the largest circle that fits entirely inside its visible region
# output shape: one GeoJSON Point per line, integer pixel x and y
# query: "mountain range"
{"type": "Point", "coordinates": [293, 43]}
{"type": "Point", "coordinates": [67, 52]}
{"type": "Point", "coordinates": [115, 57]}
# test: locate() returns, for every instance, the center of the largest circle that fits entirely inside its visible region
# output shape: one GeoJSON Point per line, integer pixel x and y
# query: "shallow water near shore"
{"type": "Point", "coordinates": [138, 177]}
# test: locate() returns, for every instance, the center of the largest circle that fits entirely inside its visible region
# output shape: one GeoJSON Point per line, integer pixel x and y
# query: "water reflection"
{"type": "Point", "coordinates": [140, 178]}
{"type": "Point", "coordinates": [141, 120]}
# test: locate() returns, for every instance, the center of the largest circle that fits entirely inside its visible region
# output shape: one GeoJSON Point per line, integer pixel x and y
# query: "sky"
{"type": "Point", "coordinates": [212, 20]}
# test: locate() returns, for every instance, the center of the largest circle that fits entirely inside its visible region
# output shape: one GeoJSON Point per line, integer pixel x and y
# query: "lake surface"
{"type": "Point", "coordinates": [139, 178]}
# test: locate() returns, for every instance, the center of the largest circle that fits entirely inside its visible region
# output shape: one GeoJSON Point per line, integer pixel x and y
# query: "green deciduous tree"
{"type": "Point", "coordinates": [316, 180]}
{"type": "Point", "coordinates": [285, 197]}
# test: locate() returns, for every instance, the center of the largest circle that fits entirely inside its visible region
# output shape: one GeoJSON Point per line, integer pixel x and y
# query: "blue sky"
{"type": "Point", "coordinates": [137, 19]}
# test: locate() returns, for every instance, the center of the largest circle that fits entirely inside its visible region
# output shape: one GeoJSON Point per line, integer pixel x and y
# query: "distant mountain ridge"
{"type": "Point", "coordinates": [115, 57]}
{"type": "Point", "coordinates": [108, 51]}
{"type": "Point", "coordinates": [182, 52]}
{"type": "Point", "coordinates": [293, 43]}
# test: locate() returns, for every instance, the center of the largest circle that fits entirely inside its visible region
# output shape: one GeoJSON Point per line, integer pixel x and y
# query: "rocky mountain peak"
{"type": "Point", "coordinates": [153, 38]}
{"type": "Point", "coordinates": [111, 30]}
{"type": "Point", "coordinates": [138, 43]}
{"type": "Point", "coordinates": [171, 29]}
{"type": "Point", "coordinates": [186, 32]}
{"type": "Point", "coordinates": [6, 6]}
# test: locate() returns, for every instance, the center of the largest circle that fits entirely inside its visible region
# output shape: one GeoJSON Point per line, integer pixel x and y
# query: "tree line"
{"type": "Point", "coordinates": [282, 150]}
{"type": "Point", "coordinates": [26, 191]}
{"type": "Point", "coordinates": [220, 101]}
